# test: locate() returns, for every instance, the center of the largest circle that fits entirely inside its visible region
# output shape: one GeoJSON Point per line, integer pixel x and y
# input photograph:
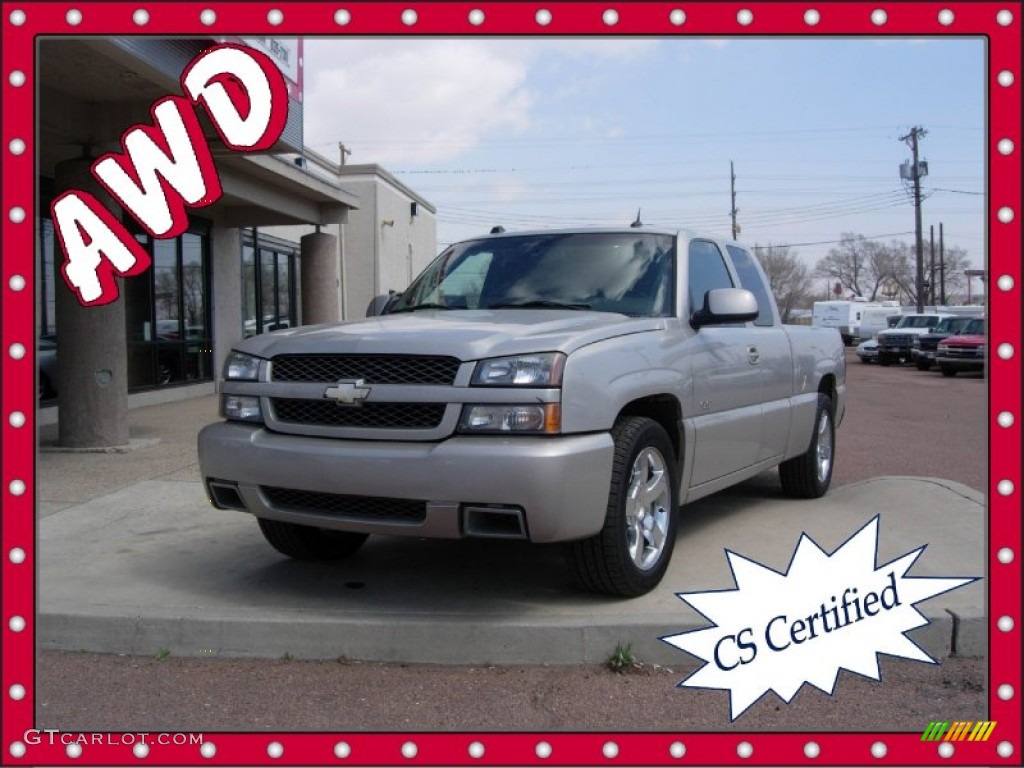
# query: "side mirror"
{"type": "Point", "coordinates": [725, 305]}
{"type": "Point", "coordinates": [380, 305]}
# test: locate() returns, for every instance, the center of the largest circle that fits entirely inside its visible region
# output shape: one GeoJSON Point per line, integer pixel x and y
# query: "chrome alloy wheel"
{"type": "Point", "coordinates": [648, 506]}
{"type": "Point", "coordinates": [824, 445]}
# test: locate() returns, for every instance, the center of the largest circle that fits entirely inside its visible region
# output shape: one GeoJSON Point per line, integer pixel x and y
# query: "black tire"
{"type": "Point", "coordinates": [923, 365]}
{"type": "Point", "coordinates": [304, 542]}
{"type": "Point", "coordinates": [884, 360]}
{"type": "Point", "coordinates": [809, 475]}
{"type": "Point", "coordinates": [604, 563]}
{"type": "Point", "coordinates": [947, 371]}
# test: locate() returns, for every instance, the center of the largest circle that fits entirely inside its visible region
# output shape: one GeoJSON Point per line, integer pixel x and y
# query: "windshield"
{"type": "Point", "coordinates": [977, 325]}
{"type": "Point", "coordinates": [624, 272]}
{"type": "Point", "coordinates": [918, 321]}
{"type": "Point", "coordinates": [952, 325]}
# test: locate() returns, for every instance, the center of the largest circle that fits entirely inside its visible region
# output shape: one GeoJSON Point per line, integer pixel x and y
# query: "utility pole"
{"type": "Point", "coordinates": [343, 150]}
{"type": "Point", "coordinates": [942, 269]}
{"type": "Point", "coordinates": [931, 265]}
{"type": "Point", "coordinates": [915, 134]}
{"type": "Point", "coordinates": [732, 188]}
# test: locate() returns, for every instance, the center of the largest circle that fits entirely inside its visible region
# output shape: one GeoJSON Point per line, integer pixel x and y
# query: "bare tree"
{"type": "Point", "coordinates": [788, 277]}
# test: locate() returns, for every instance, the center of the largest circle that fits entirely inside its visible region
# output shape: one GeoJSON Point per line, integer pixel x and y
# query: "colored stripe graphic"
{"type": "Point", "coordinates": [959, 730]}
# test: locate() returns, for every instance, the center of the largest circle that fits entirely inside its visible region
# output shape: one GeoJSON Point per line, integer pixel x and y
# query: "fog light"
{"type": "Point", "coordinates": [241, 408]}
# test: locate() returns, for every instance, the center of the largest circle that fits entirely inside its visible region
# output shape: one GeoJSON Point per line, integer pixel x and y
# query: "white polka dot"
{"type": "Point", "coordinates": [342, 17]}
{"type": "Point", "coordinates": [17, 147]}
{"type": "Point", "coordinates": [208, 750]}
{"type": "Point", "coordinates": [73, 17]}
{"type": "Point", "coordinates": [878, 749]}
{"type": "Point", "coordinates": [745, 16]}
{"type": "Point", "coordinates": [16, 692]}
{"type": "Point", "coordinates": [610, 17]}
{"type": "Point", "coordinates": [141, 750]}
{"type": "Point", "coordinates": [409, 17]}
{"type": "Point", "coordinates": [678, 18]}
{"type": "Point", "coordinates": [16, 555]}
{"type": "Point", "coordinates": [1005, 692]}
{"type": "Point", "coordinates": [17, 749]}
{"type": "Point", "coordinates": [17, 17]}
{"type": "Point", "coordinates": [275, 749]}
{"type": "Point", "coordinates": [946, 17]}
{"type": "Point", "coordinates": [610, 750]}
{"type": "Point", "coordinates": [17, 351]}
{"type": "Point", "coordinates": [543, 750]}
{"type": "Point", "coordinates": [1005, 487]}
{"type": "Point", "coordinates": [16, 624]}
{"type": "Point", "coordinates": [677, 749]}
{"type": "Point", "coordinates": [1005, 749]}
{"type": "Point", "coordinates": [1005, 555]}
{"type": "Point", "coordinates": [16, 419]}
{"type": "Point", "coordinates": [1005, 146]}
{"type": "Point", "coordinates": [1005, 214]}
{"type": "Point", "coordinates": [543, 17]}
{"type": "Point", "coordinates": [16, 78]}
{"type": "Point", "coordinates": [811, 749]}
{"type": "Point", "coordinates": [745, 749]}
{"type": "Point", "coordinates": [946, 749]}
{"type": "Point", "coordinates": [409, 750]}
{"type": "Point", "coordinates": [1005, 624]}
{"type": "Point", "coordinates": [17, 214]}
{"type": "Point", "coordinates": [275, 16]}
{"type": "Point", "coordinates": [476, 17]}
{"type": "Point", "coordinates": [141, 17]}
{"type": "Point", "coordinates": [17, 487]}
{"type": "Point", "coordinates": [1005, 283]}
{"type": "Point", "coordinates": [74, 751]}
{"type": "Point", "coordinates": [878, 18]}
{"type": "Point", "coordinates": [1005, 78]}
{"type": "Point", "coordinates": [1005, 419]}
{"type": "Point", "coordinates": [342, 750]}
{"type": "Point", "coordinates": [1004, 18]}
{"type": "Point", "coordinates": [1005, 351]}
{"type": "Point", "coordinates": [476, 750]}
{"type": "Point", "coordinates": [812, 17]}
{"type": "Point", "coordinates": [208, 16]}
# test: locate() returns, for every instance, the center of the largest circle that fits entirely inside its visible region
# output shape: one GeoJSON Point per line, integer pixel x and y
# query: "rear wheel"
{"type": "Point", "coordinates": [631, 553]}
{"type": "Point", "coordinates": [809, 475]}
{"type": "Point", "coordinates": [304, 542]}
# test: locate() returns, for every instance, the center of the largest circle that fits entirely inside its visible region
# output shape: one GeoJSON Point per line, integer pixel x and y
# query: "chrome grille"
{"type": "Point", "coordinates": [364, 507]}
{"type": "Point", "coordinates": [969, 353]}
{"type": "Point", "coordinates": [894, 340]}
{"type": "Point", "coordinates": [373, 369]}
{"type": "Point", "coordinates": [328, 413]}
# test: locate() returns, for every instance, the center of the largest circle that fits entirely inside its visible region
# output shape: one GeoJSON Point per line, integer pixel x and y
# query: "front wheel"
{"type": "Point", "coordinates": [631, 553]}
{"type": "Point", "coordinates": [809, 475]}
{"type": "Point", "coordinates": [923, 365]}
{"type": "Point", "coordinates": [304, 542]}
{"type": "Point", "coordinates": [947, 371]}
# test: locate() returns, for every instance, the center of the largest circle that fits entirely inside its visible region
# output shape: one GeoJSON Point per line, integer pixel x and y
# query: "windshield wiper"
{"type": "Point", "coordinates": [424, 305]}
{"type": "Point", "coordinates": [537, 304]}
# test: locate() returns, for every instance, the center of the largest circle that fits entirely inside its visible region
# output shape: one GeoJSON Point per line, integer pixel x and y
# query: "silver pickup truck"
{"type": "Point", "coordinates": [556, 386]}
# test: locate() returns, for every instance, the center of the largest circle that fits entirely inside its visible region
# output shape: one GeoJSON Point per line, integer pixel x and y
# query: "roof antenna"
{"type": "Point", "coordinates": [637, 223]}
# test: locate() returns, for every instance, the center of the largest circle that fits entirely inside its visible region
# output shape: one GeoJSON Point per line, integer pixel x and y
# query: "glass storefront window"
{"type": "Point", "coordinates": [268, 285]}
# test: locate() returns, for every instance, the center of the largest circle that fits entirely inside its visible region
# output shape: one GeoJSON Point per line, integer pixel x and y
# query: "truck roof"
{"type": "Point", "coordinates": [620, 230]}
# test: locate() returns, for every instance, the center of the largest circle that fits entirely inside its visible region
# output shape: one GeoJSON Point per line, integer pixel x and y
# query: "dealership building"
{"type": "Point", "coordinates": [294, 239]}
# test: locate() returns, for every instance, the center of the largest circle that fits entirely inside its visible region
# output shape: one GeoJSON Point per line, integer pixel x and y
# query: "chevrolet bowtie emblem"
{"type": "Point", "coordinates": [349, 392]}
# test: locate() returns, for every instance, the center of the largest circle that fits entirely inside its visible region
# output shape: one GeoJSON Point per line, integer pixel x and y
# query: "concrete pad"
{"type": "Point", "coordinates": [153, 566]}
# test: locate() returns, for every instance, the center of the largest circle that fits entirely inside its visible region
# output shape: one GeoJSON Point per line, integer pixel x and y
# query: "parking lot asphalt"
{"type": "Point", "coordinates": [133, 559]}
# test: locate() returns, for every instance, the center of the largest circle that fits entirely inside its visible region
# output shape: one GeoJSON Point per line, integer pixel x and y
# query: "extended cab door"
{"type": "Point", "coordinates": [727, 380]}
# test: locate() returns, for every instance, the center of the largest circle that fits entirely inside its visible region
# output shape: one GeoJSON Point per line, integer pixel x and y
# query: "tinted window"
{"type": "Point", "coordinates": [707, 270]}
{"type": "Point", "coordinates": [750, 278]}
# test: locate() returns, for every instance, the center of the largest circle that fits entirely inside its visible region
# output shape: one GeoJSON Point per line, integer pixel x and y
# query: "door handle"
{"type": "Point", "coordinates": [753, 355]}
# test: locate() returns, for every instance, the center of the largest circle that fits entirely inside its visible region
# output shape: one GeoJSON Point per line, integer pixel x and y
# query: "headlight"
{"type": "Point", "coordinates": [538, 418]}
{"type": "Point", "coordinates": [241, 408]}
{"type": "Point", "coordinates": [543, 370]}
{"type": "Point", "coordinates": [981, 350]}
{"type": "Point", "coordinates": [241, 367]}
{"type": "Point", "coordinates": [943, 349]}
{"type": "Point", "coordinates": [916, 343]}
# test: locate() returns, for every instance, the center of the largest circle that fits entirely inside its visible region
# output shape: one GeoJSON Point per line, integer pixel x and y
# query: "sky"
{"type": "Point", "coordinates": [542, 133]}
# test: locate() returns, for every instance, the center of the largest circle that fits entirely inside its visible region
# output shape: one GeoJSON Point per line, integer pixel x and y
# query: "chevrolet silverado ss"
{"type": "Point", "coordinates": [555, 386]}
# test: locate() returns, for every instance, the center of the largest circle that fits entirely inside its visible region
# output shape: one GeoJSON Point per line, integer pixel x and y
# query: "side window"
{"type": "Point", "coordinates": [707, 270]}
{"type": "Point", "coordinates": [750, 278]}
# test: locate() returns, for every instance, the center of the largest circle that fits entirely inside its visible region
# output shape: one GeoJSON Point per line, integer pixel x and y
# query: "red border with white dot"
{"type": "Point", "coordinates": [999, 22]}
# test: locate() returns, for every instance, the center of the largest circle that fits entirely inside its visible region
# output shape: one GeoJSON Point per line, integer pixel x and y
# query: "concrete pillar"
{"type": "Point", "coordinates": [320, 279]}
{"type": "Point", "coordinates": [226, 291]}
{"type": "Point", "coordinates": [92, 367]}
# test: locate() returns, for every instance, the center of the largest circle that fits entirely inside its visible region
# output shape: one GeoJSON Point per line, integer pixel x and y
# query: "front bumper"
{"type": "Point", "coordinates": [560, 483]}
{"type": "Point", "coordinates": [962, 363]}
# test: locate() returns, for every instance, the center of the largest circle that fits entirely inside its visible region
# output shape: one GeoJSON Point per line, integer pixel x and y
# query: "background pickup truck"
{"type": "Point", "coordinates": [555, 386]}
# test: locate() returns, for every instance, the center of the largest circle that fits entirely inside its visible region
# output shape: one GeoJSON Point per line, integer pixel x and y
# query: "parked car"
{"type": "Point", "coordinates": [46, 361]}
{"type": "Point", "coordinates": [867, 351]}
{"type": "Point", "coordinates": [965, 352]}
{"type": "Point", "coordinates": [895, 344]}
{"type": "Point", "coordinates": [923, 348]}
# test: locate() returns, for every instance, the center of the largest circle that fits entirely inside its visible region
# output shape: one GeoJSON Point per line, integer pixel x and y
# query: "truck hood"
{"type": "Point", "coordinates": [463, 334]}
{"type": "Point", "coordinates": [965, 340]}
